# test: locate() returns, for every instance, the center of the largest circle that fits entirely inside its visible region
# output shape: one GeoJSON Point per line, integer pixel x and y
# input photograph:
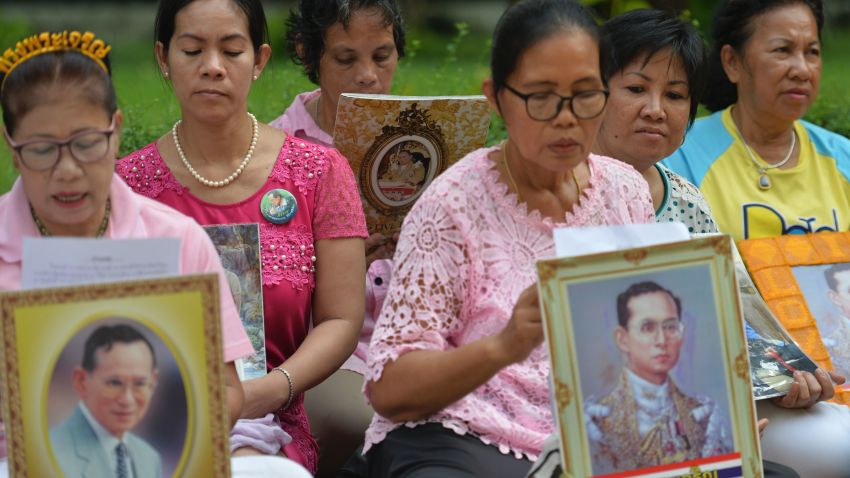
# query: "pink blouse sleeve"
{"type": "Point", "coordinates": [198, 255]}
{"type": "Point", "coordinates": [339, 212]}
{"type": "Point", "coordinates": [424, 303]}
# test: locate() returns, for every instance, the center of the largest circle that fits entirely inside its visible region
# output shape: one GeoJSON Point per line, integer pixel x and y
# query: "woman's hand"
{"type": "Point", "coordinates": [809, 388]}
{"type": "Point", "coordinates": [524, 331]}
{"type": "Point", "coordinates": [264, 395]}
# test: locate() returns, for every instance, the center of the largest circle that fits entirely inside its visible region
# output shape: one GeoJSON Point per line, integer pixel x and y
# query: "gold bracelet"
{"type": "Point", "coordinates": [291, 386]}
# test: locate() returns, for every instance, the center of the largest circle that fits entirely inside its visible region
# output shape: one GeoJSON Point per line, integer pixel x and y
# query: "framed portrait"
{"type": "Point", "coordinates": [650, 371]}
{"type": "Point", "coordinates": [397, 145]}
{"type": "Point", "coordinates": [129, 375]}
{"type": "Point", "coordinates": [402, 165]}
{"type": "Point", "coordinates": [238, 246]}
{"type": "Point", "coordinates": [805, 280]}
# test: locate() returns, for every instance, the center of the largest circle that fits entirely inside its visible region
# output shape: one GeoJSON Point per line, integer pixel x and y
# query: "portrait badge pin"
{"type": "Point", "coordinates": [278, 206]}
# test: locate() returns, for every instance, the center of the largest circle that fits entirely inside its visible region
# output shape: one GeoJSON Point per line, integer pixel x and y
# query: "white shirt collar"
{"type": "Point", "coordinates": [647, 395]}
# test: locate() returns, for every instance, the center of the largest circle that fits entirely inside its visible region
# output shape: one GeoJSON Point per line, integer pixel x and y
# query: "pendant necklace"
{"type": "Point", "coordinates": [764, 181]}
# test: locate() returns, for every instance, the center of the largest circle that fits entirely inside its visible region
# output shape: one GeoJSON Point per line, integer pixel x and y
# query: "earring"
{"type": "Point", "coordinates": [256, 77]}
{"type": "Point", "coordinates": [165, 74]}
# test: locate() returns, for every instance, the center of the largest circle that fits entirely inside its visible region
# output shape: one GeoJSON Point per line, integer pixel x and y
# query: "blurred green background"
{"type": "Point", "coordinates": [448, 54]}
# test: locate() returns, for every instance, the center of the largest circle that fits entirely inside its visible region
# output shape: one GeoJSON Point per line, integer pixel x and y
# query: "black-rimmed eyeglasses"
{"type": "Point", "coordinates": [43, 154]}
{"type": "Point", "coordinates": [585, 104]}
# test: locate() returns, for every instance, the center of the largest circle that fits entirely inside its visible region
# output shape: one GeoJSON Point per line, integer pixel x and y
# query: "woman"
{"type": "Point", "coordinates": [767, 173]}
{"type": "Point", "coordinates": [211, 51]}
{"type": "Point", "coordinates": [62, 125]}
{"type": "Point", "coordinates": [353, 49]}
{"type": "Point", "coordinates": [656, 68]}
{"type": "Point", "coordinates": [456, 356]}
{"type": "Point", "coordinates": [763, 171]}
{"type": "Point", "coordinates": [656, 74]}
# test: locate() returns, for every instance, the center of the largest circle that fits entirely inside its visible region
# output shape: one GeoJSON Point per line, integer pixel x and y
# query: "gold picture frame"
{"type": "Point", "coordinates": [414, 132]}
{"type": "Point", "coordinates": [773, 262]}
{"type": "Point", "coordinates": [43, 334]}
{"type": "Point", "coordinates": [706, 363]}
{"type": "Point", "coordinates": [397, 145]}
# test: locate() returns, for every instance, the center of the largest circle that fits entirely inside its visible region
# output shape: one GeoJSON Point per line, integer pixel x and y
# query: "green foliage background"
{"type": "Point", "coordinates": [435, 65]}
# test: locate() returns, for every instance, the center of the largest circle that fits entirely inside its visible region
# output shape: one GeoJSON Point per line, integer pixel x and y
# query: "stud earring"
{"type": "Point", "coordinates": [256, 77]}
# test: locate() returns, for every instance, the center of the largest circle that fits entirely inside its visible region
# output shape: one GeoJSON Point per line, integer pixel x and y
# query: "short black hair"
{"type": "Point", "coordinates": [733, 26]}
{"type": "Point", "coordinates": [105, 336]}
{"type": "Point", "coordinates": [529, 21]}
{"type": "Point", "coordinates": [26, 86]}
{"type": "Point", "coordinates": [643, 33]}
{"type": "Point", "coordinates": [308, 24]}
{"type": "Point", "coordinates": [637, 289]}
{"type": "Point", "coordinates": [167, 11]}
{"type": "Point", "coordinates": [829, 274]}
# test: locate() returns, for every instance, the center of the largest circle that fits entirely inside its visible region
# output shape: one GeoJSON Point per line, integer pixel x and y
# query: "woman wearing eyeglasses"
{"type": "Point", "coordinates": [62, 124]}
{"type": "Point", "coordinates": [456, 372]}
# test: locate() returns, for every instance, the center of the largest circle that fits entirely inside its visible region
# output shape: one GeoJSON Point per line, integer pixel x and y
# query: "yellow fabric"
{"type": "Point", "coordinates": [811, 196]}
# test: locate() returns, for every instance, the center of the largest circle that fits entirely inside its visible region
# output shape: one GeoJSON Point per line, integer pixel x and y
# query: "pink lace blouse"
{"type": "Point", "coordinates": [466, 252]}
{"type": "Point", "coordinates": [328, 207]}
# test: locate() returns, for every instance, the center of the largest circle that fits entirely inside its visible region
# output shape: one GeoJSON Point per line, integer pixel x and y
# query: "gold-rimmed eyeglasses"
{"type": "Point", "coordinates": [114, 387]}
{"type": "Point", "coordinates": [670, 328]}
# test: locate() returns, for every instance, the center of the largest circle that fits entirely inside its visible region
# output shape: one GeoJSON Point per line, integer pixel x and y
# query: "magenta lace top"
{"type": "Point", "coordinates": [328, 207]}
{"type": "Point", "coordinates": [466, 252]}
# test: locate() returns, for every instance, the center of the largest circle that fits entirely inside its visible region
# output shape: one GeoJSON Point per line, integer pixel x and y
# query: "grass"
{"type": "Point", "coordinates": [434, 66]}
{"type": "Point", "coordinates": [150, 108]}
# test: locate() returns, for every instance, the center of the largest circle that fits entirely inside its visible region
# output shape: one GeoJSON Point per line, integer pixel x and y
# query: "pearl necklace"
{"type": "Point", "coordinates": [235, 174]}
{"type": "Point", "coordinates": [764, 181]}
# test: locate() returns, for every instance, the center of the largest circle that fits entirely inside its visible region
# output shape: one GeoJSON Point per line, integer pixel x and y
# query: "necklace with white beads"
{"type": "Point", "coordinates": [235, 174]}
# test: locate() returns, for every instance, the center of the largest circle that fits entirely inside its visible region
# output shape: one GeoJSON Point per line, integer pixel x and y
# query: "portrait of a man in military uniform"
{"type": "Point", "coordinates": [647, 420]}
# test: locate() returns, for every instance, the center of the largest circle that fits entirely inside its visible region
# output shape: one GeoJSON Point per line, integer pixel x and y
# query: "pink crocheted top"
{"type": "Point", "coordinates": [328, 207]}
{"type": "Point", "coordinates": [466, 252]}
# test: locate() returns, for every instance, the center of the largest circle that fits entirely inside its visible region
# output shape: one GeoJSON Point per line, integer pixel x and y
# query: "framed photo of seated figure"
{"type": "Point", "coordinates": [121, 379]}
{"type": "Point", "coordinates": [805, 280]}
{"type": "Point", "coordinates": [650, 371]}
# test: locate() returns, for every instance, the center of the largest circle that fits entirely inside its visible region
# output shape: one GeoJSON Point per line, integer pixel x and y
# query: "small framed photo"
{"type": "Point", "coordinates": [805, 280]}
{"type": "Point", "coordinates": [128, 377]}
{"type": "Point", "coordinates": [238, 246]}
{"type": "Point", "coordinates": [650, 371]}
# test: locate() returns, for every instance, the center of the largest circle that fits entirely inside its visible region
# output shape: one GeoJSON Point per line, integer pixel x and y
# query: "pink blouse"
{"type": "Point", "coordinates": [296, 120]}
{"type": "Point", "coordinates": [466, 252]}
{"type": "Point", "coordinates": [132, 216]}
{"type": "Point", "coordinates": [328, 207]}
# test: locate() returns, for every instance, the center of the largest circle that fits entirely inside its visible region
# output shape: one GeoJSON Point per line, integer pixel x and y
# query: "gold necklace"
{"type": "Point", "coordinates": [514, 184]}
{"type": "Point", "coordinates": [100, 230]}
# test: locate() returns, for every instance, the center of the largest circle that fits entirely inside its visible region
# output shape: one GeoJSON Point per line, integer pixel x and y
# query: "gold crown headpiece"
{"type": "Point", "coordinates": [48, 42]}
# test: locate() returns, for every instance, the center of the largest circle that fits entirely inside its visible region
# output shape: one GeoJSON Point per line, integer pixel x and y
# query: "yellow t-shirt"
{"type": "Point", "coordinates": [812, 196]}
